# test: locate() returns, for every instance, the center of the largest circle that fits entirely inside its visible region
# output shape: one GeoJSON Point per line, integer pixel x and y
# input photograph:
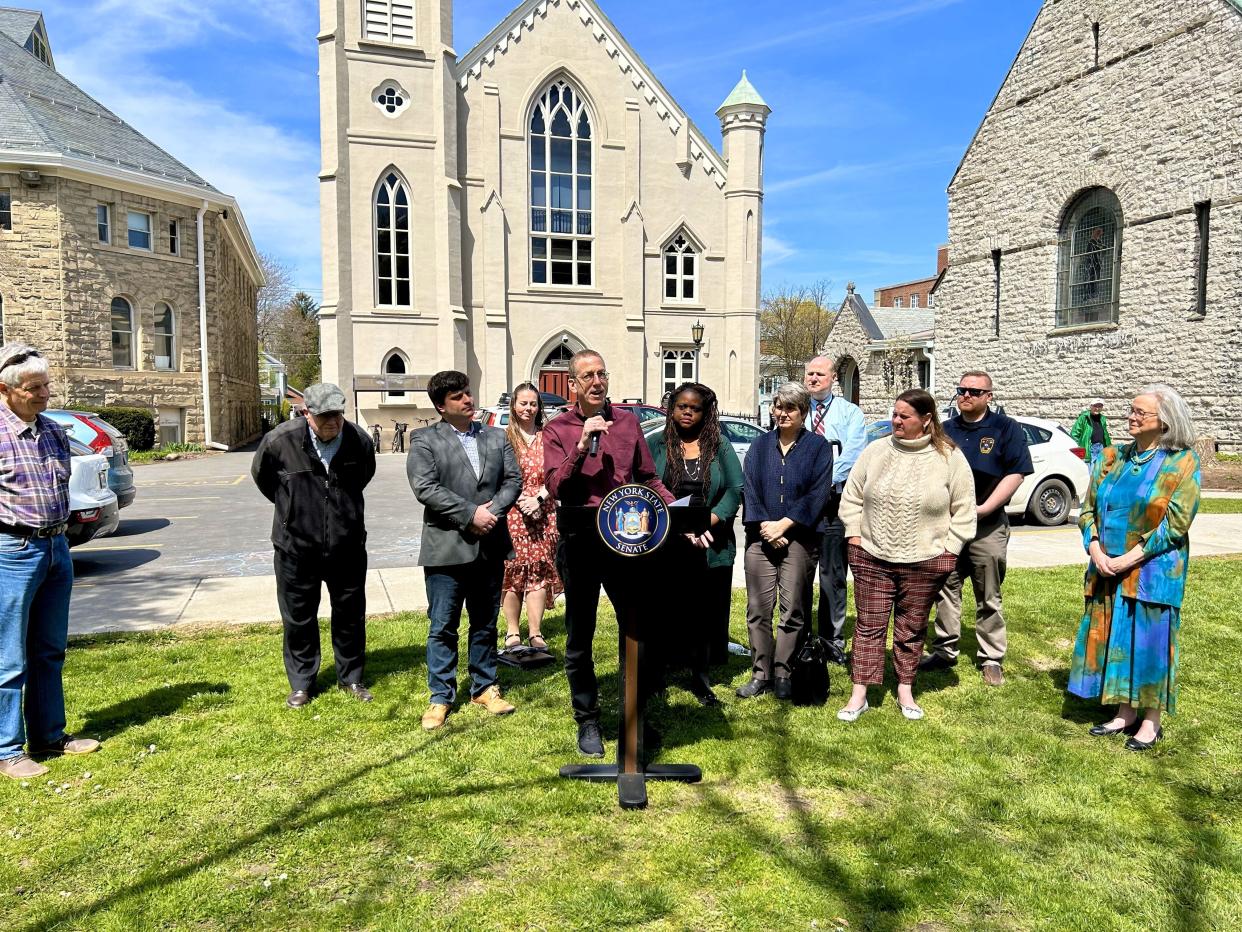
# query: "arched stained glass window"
{"type": "Point", "coordinates": [1089, 261]}
{"type": "Point", "coordinates": [392, 242]}
{"type": "Point", "coordinates": [681, 270]}
{"type": "Point", "coordinates": [562, 235]}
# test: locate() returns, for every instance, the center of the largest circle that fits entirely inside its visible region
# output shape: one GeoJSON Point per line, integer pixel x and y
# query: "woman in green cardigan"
{"type": "Point", "coordinates": [695, 459]}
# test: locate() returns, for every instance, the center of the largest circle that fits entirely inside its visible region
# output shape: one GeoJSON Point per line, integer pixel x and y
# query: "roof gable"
{"type": "Point", "coordinates": [18, 24]}
{"type": "Point", "coordinates": [527, 17]}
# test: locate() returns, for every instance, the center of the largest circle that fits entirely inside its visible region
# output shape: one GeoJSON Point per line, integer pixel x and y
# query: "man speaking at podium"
{"type": "Point", "coordinates": [587, 452]}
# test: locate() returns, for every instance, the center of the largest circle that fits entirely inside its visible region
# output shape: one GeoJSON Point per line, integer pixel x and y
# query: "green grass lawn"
{"type": "Point", "coordinates": [212, 806]}
{"type": "Point", "coordinates": [1220, 506]}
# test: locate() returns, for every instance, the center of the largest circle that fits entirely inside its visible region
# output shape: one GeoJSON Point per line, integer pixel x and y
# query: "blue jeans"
{"type": "Point", "coordinates": [1094, 452]}
{"type": "Point", "coordinates": [36, 577]}
{"type": "Point", "coordinates": [477, 586]}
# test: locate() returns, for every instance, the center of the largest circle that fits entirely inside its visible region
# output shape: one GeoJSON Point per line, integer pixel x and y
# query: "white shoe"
{"type": "Point", "coordinates": [851, 715]}
{"type": "Point", "coordinates": [912, 712]}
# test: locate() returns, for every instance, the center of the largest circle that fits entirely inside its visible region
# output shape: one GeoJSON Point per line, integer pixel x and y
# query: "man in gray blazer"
{"type": "Point", "coordinates": [467, 478]}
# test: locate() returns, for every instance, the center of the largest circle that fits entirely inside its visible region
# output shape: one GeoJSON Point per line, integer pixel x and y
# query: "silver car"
{"type": "Point", "coordinates": [740, 434]}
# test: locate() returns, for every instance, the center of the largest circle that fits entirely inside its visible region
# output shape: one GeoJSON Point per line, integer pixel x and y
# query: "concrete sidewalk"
{"type": "Point", "coordinates": [245, 599]}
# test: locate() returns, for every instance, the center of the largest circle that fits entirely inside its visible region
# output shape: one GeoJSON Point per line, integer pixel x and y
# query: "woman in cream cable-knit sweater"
{"type": "Point", "coordinates": [908, 509]}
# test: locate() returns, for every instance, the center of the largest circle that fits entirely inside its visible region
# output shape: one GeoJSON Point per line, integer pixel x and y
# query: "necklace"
{"type": "Point", "coordinates": [1138, 460]}
{"type": "Point", "coordinates": [693, 474]}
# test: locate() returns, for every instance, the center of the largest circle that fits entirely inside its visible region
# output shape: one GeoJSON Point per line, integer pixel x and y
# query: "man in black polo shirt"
{"type": "Point", "coordinates": [996, 448]}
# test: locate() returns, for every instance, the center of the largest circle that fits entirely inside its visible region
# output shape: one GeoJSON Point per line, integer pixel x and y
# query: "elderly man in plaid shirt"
{"type": "Point", "coordinates": [36, 574]}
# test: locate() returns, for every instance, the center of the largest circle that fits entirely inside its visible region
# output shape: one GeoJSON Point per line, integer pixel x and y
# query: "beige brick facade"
{"type": "Point", "coordinates": [58, 281]}
{"type": "Point", "coordinates": [1152, 114]}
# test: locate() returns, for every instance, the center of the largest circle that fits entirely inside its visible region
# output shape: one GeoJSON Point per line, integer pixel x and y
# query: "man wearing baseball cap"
{"type": "Point", "coordinates": [314, 470]}
{"type": "Point", "coordinates": [1090, 431]}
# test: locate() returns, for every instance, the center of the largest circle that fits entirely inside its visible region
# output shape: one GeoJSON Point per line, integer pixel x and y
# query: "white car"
{"type": "Point", "coordinates": [1061, 475]}
{"type": "Point", "coordinates": [741, 434]}
{"type": "Point", "coordinates": [93, 510]}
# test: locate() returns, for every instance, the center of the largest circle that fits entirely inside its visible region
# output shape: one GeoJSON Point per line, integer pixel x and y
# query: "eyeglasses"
{"type": "Point", "coordinates": [21, 358]}
{"type": "Point", "coordinates": [962, 391]}
{"type": "Point", "coordinates": [589, 377]}
{"type": "Point", "coordinates": [1141, 415]}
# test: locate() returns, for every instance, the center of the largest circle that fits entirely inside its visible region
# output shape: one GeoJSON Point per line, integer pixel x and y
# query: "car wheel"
{"type": "Point", "coordinates": [1051, 503]}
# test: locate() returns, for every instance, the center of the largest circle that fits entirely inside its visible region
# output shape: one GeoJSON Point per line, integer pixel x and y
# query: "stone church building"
{"type": "Point", "coordinates": [496, 211]}
{"type": "Point", "coordinates": [134, 276]}
{"type": "Point", "coordinates": [1095, 222]}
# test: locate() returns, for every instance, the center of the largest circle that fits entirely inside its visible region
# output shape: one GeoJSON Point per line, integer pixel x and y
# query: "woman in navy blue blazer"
{"type": "Point", "coordinates": [788, 475]}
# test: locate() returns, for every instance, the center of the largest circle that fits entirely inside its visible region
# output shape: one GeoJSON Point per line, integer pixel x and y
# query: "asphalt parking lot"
{"type": "Point", "coordinates": [204, 518]}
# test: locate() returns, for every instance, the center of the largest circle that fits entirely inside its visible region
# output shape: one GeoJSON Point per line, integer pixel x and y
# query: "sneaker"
{"type": "Point", "coordinates": [852, 715]}
{"type": "Point", "coordinates": [67, 745]}
{"type": "Point", "coordinates": [21, 767]}
{"type": "Point", "coordinates": [590, 741]}
{"type": "Point", "coordinates": [491, 700]}
{"type": "Point", "coordinates": [932, 662]}
{"type": "Point", "coordinates": [993, 675]}
{"type": "Point", "coordinates": [435, 715]}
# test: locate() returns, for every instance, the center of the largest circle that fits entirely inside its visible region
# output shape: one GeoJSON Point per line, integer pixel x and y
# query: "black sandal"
{"type": "Point", "coordinates": [516, 638]}
{"type": "Point", "coordinates": [531, 641]}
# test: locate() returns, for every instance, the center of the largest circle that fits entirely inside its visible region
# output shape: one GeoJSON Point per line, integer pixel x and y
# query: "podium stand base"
{"type": "Point", "coordinates": [632, 787]}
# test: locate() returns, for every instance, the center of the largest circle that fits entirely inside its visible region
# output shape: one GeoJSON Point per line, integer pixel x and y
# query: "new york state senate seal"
{"type": "Point", "coordinates": [632, 521]}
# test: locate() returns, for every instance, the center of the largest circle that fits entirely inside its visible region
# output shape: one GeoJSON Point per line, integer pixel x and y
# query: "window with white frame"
{"type": "Point", "coordinates": [679, 366]}
{"type": "Point", "coordinates": [931, 299]}
{"type": "Point", "coordinates": [914, 300]}
{"type": "Point", "coordinates": [174, 237]}
{"type": "Point", "coordinates": [122, 334]}
{"type": "Point", "coordinates": [138, 225]}
{"type": "Point", "coordinates": [896, 302]}
{"type": "Point", "coordinates": [392, 243]}
{"type": "Point", "coordinates": [561, 241]}
{"type": "Point", "coordinates": [103, 222]}
{"type": "Point", "coordinates": [388, 21]}
{"type": "Point", "coordinates": [164, 336]}
{"type": "Point", "coordinates": [681, 270]}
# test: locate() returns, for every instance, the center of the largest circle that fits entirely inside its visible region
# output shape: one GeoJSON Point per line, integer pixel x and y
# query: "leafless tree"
{"type": "Point", "coordinates": [274, 297]}
{"type": "Point", "coordinates": [794, 324]}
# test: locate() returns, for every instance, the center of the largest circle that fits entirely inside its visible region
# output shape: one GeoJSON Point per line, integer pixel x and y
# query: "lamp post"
{"type": "Point", "coordinates": [696, 334]}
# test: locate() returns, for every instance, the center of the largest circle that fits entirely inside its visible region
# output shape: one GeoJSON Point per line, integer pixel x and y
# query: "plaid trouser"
{"type": "Point", "coordinates": [906, 592]}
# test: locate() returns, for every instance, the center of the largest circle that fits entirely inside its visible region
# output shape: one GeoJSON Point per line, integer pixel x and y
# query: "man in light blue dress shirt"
{"type": "Point", "coordinates": [835, 419]}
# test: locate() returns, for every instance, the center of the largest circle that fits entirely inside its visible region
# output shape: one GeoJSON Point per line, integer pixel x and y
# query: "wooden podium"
{"type": "Point", "coordinates": [630, 771]}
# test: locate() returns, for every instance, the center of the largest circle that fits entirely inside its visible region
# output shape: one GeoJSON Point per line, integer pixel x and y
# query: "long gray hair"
{"type": "Point", "coordinates": [1179, 428]}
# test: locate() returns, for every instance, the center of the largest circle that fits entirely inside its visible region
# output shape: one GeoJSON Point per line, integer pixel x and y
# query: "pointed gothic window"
{"type": "Point", "coordinates": [681, 270]}
{"type": "Point", "coordinates": [1089, 260]}
{"type": "Point", "coordinates": [388, 21]}
{"type": "Point", "coordinates": [392, 243]}
{"type": "Point", "coordinates": [562, 235]}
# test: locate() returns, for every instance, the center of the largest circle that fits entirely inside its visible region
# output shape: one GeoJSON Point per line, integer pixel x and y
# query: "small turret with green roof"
{"type": "Point", "coordinates": [744, 95]}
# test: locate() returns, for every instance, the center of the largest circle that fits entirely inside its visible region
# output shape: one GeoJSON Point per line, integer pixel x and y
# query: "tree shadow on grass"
{"type": "Point", "coordinates": [302, 816]}
{"type": "Point", "coordinates": [157, 703]}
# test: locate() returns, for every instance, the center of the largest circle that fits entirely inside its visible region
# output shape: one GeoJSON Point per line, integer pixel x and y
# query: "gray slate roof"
{"type": "Point", "coordinates": [44, 113]}
{"type": "Point", "coordinates": [885, 323]}
{"type": "Point", "coordinates": [18, 24]}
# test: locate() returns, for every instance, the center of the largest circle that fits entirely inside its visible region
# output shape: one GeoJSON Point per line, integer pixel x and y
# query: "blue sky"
{"type": "Point", "coordinates": [874, 103]}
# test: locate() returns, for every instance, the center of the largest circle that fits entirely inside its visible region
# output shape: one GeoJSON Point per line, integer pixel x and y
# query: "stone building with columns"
{"type": "Point", "coordinates": [496, 211]}
{"type": "Point", "coordinates": [1095, 222]}
{"type": "Point", "coordinates": [134, 275]}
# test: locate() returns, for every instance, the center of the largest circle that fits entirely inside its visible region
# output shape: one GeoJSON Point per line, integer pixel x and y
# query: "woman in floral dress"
{"type": "Point", "coordinates": [530, 576]}
{"type": "Point", "coordinates": [1136, 528]}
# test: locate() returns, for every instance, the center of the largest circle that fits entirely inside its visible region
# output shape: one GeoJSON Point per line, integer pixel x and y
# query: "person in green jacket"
{"type": "Point", "coordinates": [695, 459]}
{"type": "Point", "coordinates": [1090, 431]}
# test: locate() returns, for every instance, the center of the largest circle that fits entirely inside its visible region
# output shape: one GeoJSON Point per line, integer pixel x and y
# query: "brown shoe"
{"type": "Point", "coordinates": [490, 700]}
{"type": "Point", "coordinates": [21, 767]}
{"type": "Point", "coordinates": [435, 715]}
{"type": "Point", "coordinates": [992, 674]}
{"type": "Point", "coordinates": [67, 745]}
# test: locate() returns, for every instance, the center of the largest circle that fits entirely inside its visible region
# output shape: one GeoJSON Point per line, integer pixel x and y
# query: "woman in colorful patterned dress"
{"type": "Point", "coordinates": [1136, 528]}
{"type": "Point", "coordinates": [530, 576]}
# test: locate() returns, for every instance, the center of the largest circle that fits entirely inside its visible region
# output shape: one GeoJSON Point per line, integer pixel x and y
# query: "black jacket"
{"type": "Point", "coordinates": [317, 512]}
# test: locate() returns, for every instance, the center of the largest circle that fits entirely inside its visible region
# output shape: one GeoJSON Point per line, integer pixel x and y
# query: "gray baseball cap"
{"type": "Point", "coordinates": [324, 398]}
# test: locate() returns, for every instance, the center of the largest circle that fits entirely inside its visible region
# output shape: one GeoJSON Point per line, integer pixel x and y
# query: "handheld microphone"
{"type": "Point", "coordinates": [607, 412]}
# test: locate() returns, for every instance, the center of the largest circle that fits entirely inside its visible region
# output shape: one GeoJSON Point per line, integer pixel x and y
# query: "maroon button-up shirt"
{"type": "Point", "coordinates": [576, 478]}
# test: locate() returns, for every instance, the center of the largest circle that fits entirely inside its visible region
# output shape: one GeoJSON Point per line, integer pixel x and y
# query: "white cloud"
{"type": "Point", "coordinates": [916, 158]}
{"type": "Point", "coordinates": [271, 170]}
{"type": "Point", "coordinates": [776, 250]}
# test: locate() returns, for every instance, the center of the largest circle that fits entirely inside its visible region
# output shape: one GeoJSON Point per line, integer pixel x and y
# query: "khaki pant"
{"type": "Point", "coordinates": [790, 574]}
{"type": "Point", "coordinates": [983, 561]}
